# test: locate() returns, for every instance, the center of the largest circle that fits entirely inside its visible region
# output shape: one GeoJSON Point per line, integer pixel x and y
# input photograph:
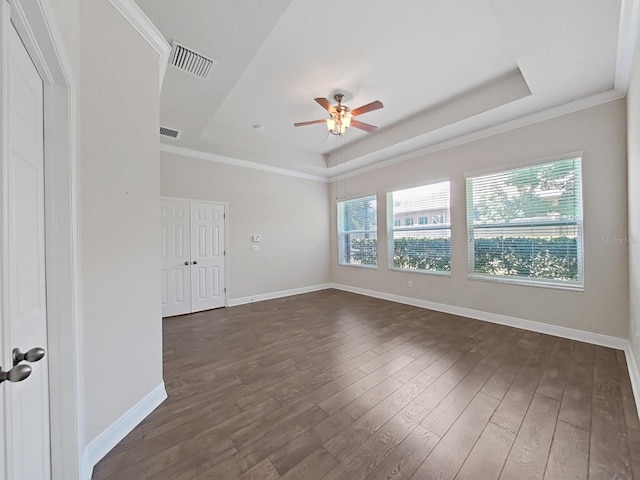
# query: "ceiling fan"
{"type": "Point", "coordinates": [341, 116]}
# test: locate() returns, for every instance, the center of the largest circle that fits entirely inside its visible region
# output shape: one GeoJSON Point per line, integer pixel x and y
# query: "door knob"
{"type": "Point", "coordinates": [33, 355]}
{"type": "Point", "coordinates": [186, 263]}
{"type": "Point", "coordinates": [16, 374]}
{"type": "Point", "coordinates": [195, 262]}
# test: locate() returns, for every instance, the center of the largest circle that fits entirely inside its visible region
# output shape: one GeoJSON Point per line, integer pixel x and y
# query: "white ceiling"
{"type": "Point", "coordinates": [442, 68]}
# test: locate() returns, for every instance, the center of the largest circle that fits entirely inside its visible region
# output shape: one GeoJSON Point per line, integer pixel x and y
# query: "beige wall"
{"type": "Point", "coordinates": [290, 213]}
{"type": "Point", "coordinates": [602, 307]}
{"type": "Point", "coordinates": [633, 139]}
{"type": "Point", "coordinates": [119, 189]}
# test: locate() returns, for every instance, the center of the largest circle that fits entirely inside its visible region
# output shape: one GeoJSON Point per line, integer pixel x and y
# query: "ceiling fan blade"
{"type": "Point", "coordinates": [324, 103]}
{"type": "Point", "coordinates": [363, 126]}
{"type": "Point", "coordinates": [301, 124]}
{"type": "Point", "coordinates": [367, 108]}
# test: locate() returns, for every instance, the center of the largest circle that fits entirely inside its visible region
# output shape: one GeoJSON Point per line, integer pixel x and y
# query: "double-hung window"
{"type": "Point", "coordinates": [525, 225]}
{"type": "Point", "coordinates": [357, 231]}
{"type": "Point", "coordinates": [422, 245]}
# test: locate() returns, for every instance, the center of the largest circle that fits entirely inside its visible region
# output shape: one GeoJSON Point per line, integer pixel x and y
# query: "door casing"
{"type": "Point", "coordinates": [37, 29]}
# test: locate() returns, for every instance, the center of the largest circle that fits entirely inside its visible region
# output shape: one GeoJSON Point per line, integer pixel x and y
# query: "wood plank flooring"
{"type": "Point", "coordinates": [331, 385]}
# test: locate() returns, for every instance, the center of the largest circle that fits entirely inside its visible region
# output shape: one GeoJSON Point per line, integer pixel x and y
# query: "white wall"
{"type": "Point", "coordinates": [290, 213]}
{"type": "Point", "coordinates": [602, 307]}
{"type": "Point", "coordinates": [119, 189]}
{"type": "Point", "coordinates": [633, 159]}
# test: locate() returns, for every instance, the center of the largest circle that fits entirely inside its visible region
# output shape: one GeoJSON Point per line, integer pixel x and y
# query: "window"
{"type": "Point", "coordinates": [357, 232]}
{"type": "Point", "coordinates": [525, 225]}
{"type": "Point", "coordinates": [423, 247]}
{"type": "Point", "coordinates": [408, 222]}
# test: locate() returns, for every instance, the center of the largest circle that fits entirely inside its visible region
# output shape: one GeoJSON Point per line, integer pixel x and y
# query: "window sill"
{"type": "Point", "coordinates": [527, 283]}
{"type": "Point", "coordinates": [358, 265]}
{"type": "Point", "coordinates": [422, 272]}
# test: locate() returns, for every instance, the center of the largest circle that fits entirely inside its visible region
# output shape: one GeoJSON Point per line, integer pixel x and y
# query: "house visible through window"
{"type": "Point", "coordinates": [525, 224]}
{"type": "Point", "coordinates": [357, 231]}
{"type": "Point", "coordinates": [423, 245]}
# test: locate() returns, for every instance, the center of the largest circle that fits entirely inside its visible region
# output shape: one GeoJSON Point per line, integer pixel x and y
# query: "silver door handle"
{"type": "Point", "coordinates": [16, 374]}
{"type": "Point", "coordinates": [34, 355]}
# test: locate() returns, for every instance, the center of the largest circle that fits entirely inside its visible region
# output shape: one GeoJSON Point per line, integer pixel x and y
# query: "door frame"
{"type": "Point", "coordinates": [38, 31]}
{"type": "Point", "coordinates": [226, 236]}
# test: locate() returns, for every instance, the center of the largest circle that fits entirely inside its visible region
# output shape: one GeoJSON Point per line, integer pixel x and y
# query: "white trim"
{"type": "Point", "coordinates": [558, 331]}
{"type": "Point", "coordinates": [133, 14]}
{"type": "Point", "coordinates": [112, 435]}
{"type": "Point", "coordinates": [234, 302]}
{"type": "Point", "coordinates": [634, 374]}
{"type": "Point", "coordinates": [38, 30]}
{"type": "Point", "coordinates": [531, 162]}
{"type": "Point", "coordinates": [534, 118]}
{"type": "Point", "coordinates": [530, 325]}
{"type": "Point", "coordinates": [19, 18]}
{"type": "Point", "coordinates": [627, 36]}
{"type": "Point", "coordinates": [544, 115]}
{"type": "Point", "coordinates": [213, 157]}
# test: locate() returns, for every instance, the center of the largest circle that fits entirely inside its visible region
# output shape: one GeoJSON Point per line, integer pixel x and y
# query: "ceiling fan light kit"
{"type": "Point", "coordinates": [341, 116]}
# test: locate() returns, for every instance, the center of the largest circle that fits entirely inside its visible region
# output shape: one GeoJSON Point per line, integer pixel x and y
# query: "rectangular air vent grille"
{"type": "Point", "coordinates": [191, 62]}
{"type": "Point", "coordinates": [169, 132]}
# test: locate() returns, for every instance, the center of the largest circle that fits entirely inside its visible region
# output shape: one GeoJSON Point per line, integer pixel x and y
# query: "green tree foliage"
{"type": "Point", "coordinates": [551, 258]}
{"type": "Point", "coordinates": [432, 254]}
{"type": "Point", "coordinates": [541, 190]}
{"type": "Point", "coordinates": [360, 214]}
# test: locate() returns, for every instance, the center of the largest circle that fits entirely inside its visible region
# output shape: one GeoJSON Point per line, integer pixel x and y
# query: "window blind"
{"type": "Point", "coordinates": [419, 224]}
{"type": "Point", "coordinates": [357, 231]}
{"type": "Point", "coordinates": [526, 224]}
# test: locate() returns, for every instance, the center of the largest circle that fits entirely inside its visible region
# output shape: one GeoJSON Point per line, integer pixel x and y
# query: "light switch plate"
{"type": "Point", "coordinates": [257, 238]}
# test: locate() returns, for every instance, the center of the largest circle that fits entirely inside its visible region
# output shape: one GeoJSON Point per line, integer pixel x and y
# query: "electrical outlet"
{"type": "Point", "coordinates": [255, 248]}
{"type": "Point", "coordinates": [410, 283]}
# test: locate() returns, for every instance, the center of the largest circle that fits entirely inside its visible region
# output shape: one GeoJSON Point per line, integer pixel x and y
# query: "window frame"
{"type": "Point", "coordinates": [340, 232]}
{"type": "Point", "coordinates": [577, 285]}
{"type": "Point", "coordinates": [391, 229]}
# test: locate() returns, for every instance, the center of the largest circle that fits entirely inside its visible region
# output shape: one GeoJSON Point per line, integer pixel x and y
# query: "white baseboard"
{"type": "Point", "coordinates": [634, 375]}
{"type": "Point", "coordinates": [564, 332]}
{"type": "Point", "coordinates": [234, 302]}
{"type": "Point", "coordinates": [110, 437]}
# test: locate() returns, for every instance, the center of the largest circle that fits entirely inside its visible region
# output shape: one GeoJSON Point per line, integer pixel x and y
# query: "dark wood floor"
{"type": "Point", "coordinates": [331, 385]}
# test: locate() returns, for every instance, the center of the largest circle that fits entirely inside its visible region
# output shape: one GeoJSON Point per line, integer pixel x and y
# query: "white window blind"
{"type": "Point", "coordinates": [525, 224]}
{"type": "Point", "coordinates": [419, 225]}
{"type": "Point", "coordinates": [357, 231]}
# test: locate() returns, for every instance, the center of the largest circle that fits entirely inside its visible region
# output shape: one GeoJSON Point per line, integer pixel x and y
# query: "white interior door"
{"type": "Point", "coordinates": [25, 428]}
{"type": "Point", "coordinates": [176, 259]}
{"type": "Point", "coordinates": [207, 256]}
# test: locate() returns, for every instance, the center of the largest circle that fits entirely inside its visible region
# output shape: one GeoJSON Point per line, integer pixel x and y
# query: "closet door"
{"type": "Point", "coordinates": [207, 256]}
{"type": "Point", "coordinates": [176, 258]}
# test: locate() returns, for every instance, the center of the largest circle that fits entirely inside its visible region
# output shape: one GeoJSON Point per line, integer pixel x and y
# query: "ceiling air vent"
{"type": "Point", "coordinates": [190, 61]}
{"type": "Point", "coordinates": [169, 132]}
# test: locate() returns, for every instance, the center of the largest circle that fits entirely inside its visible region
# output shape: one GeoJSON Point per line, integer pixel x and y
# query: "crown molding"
{"type": "Point", "coordinates": [627, 37]}
{"type": "Point", "coordinates": [133, 14]}
{"type": "Point", "coordinates": [213, 157]}
{"type": "Point", "coordinates": [531, 119]}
